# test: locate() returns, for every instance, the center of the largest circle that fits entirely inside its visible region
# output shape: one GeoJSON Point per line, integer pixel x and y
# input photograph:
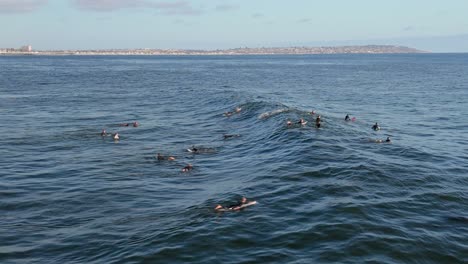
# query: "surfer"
{"type": "Point", "coordinates": [103, 133]}
{"type": "Point", "coordinates": [238, 109]}
{"type": "Point", "coordinates": [317, 121]}
{"type": "Point", "coordinates": [376, 127]}
{"type": "Point", "coordinates": [187, 168]}
{"type": "Point", "coordinates": [289, 123]}
{"type": "Point", "coordinates": [193, 149]}
{"type": "Point", "coordinates": [161, 157]}
{"type": "Point", "coordinates": [135, 124]}
{"type": "Point", "coordinates": [388, 140]}
{"type": "Point", "coordinates": [226, 136]}
{"type": "Point", "coordinates": [313, 112]}
{"type": "Point", "coordinates": [116, 136]}
{"type": "Point", "coordinates": [347, 118]}
{"type": "Point", "coordinates": [233, 207]}
{"type": "Point", "coordinates": [302, 122]}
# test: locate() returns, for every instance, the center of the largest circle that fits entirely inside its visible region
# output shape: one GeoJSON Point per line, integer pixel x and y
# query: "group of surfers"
{"type": "Point", "coordinates": [241, 204]}
{"type": "Point", "coordinates": [318, 121]}
{"type": "Point", "coordinates": [115, 135]}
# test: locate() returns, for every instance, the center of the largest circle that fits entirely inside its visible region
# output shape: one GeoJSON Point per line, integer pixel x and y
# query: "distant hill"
{"type": "Point", "coordinates": [368, 49]}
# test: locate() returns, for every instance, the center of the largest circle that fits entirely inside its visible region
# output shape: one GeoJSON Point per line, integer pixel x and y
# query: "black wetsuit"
{"type": "Point", "coordinates": [347, 118]}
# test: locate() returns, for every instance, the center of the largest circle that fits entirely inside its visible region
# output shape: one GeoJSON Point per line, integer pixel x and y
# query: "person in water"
{"type": "Point", "coordinates": [194, 149]}
{"type": "Point", "coordinates": [226, 136]}
{"type": "Point", "coordinates": [318, 120]}
{"type": "Point", "coordinates": [187, 168]}
{"type": "Point", "coordinates": [376, 127]}
{"type": "Point", "coordinates": [161, 157]}
{"type": "Point", "coordinates": [313, 112]}
{"type": "Point", "coordinates": [135, 124]}
{"type": "Point", "coordinates": [116, 136]}
{"type": "Point", "coordinates": [301, 121]}
{"type": "Point", "coordinates": [289, 123]}
{"type": "Point", "coordinates": [347, 118]}
{"type": "Point", "coordinates": [233, 207]}
{"type": "Point", "coordinates": [388, 140]}
{"type": "Point", "coordinates": [238, 109]}
{"type": "Point", "coordinates": [103, 133]}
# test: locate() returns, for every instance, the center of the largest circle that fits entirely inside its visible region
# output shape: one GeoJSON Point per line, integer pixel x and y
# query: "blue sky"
{"type": "Point", "coordinates": [433, 25]}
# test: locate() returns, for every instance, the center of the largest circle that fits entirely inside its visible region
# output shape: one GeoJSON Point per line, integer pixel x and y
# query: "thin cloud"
{"type": "Point", "coordinates": [257, 15]}
{"type": "Point", "coordinates": [408, 28]}
{"type": "Point", "coordinates": [20, 6]}
{"type": "Point", "coordinates": [304, 20]}
{"type": "Point", "coordinates": [171, 8]}
{"type": "Point", "coordinates": [226, 7]}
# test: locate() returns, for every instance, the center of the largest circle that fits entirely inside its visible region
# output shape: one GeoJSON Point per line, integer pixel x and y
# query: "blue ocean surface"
{"type": "Point", "coordinates": [328, 195]}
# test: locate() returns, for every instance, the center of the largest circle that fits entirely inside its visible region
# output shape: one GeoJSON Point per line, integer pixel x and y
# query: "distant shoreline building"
{"type": "Point", "coordinates": [27, 48]}
{"type": "Point", "coordinates": [21, 50]}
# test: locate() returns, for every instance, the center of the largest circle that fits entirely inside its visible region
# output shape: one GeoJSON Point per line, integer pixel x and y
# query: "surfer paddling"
{"type": "Point", "coordinates": [230, 113]}
{"type": "Point", "coordinates": [235, 207]}
{"type": "Point", "coordinates": [161, 157]}
{"type": "Point", "coordinates": [388, 140]}
{"type": "Point", "coordinates": [227, 136]}
{"type": "Point", "coordinates": [187, 168]}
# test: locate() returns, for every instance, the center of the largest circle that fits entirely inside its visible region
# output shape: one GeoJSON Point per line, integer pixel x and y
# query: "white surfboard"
{"type": "Point", "coordinates": [237, 208]}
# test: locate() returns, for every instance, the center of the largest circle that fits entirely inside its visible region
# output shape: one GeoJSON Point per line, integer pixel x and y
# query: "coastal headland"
{"type": "Point", "coordinates": [368, 49]}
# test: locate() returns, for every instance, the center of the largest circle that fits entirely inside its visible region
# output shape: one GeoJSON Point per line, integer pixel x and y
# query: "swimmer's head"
{"type": "Point", "coordinates": [218, 207]}
{"type": "Point", "coordinates": [244, 200]}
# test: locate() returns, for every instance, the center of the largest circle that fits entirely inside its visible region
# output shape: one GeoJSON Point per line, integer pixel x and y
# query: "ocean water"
{"type": "Point", "coordinates": [328, 195]}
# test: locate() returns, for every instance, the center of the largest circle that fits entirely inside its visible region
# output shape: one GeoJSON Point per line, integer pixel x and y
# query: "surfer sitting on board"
{"type": "Point", "coordinates": [347, 118]}
{"type": "Point", "coordinates": [235, 207]}
{"type": "Point", "coordinates": [317, 121]}
{"type": "Point", "coordinates": [376, 127]}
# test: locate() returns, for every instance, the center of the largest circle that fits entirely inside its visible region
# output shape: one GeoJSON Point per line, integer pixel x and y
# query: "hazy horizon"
{"type": "Point", "coordinates": [432, 25]}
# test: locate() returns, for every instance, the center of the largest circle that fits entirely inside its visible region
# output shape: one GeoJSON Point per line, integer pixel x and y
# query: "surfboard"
{"type": "Point", "coordinates": [237, 208]}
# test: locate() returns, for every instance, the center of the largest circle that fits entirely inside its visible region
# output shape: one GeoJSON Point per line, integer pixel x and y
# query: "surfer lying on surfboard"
{"type": "Point", "coordinates": [235, 207]}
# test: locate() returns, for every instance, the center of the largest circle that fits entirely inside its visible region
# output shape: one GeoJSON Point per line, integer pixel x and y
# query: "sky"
{"type": "Point", "coordinates": [431, 25]}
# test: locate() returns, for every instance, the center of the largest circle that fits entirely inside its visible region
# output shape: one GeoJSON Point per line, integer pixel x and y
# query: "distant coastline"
{"type": "Point", "coordinates": [368, 49]}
